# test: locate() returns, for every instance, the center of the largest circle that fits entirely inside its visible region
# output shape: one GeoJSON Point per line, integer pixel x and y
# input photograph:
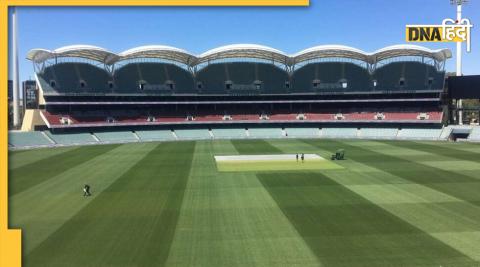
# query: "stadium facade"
{"type": "Point", "coordinates": [237, 91]}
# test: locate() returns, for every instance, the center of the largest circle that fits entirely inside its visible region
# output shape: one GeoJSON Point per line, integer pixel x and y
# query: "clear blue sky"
{"type": "Point", "coordinates": [365, 24]}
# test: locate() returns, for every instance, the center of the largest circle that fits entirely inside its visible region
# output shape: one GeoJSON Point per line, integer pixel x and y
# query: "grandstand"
{"type": "Point", "coordinates": [161, 93]}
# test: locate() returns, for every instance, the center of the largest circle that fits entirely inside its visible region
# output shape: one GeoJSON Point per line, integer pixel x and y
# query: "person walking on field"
{"type": "Point", "coordinates": [303, 157]}
{"type": "Point", "coordinates": [86, 191]}
{"type": "Point", "coordinates": [297, 157]}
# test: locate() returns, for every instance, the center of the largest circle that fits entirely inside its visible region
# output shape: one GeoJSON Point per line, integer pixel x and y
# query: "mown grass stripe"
{"type": "Point", "coordinates": [44, 208]}
{"type": "Point", "coordinates": [131, 223]}
{"type": "Point", "coordinates": [253, 147]}
{"type": "Point", "coordinates": [449, 151]}
{"type": "Point", "coordinates": [231, 220]}
{"type": "Point", "coordinates": [353, 231]}
{"type": "Point", "coordinates": [444, 181]}
{"type": "Point", "coordinates": [22, 178]}
{"type": "Point", "coordinates": [18, 159]}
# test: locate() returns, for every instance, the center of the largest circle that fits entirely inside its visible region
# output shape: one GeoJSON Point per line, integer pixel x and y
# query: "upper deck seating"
{"type": "Point", "coordinates": [408, 76]}
{"type": "Point", "coordinates": [75, 78]}
{"type": "Point", "coordinates": [242, 78]}
{"type": "Point", "coordinates": [331, 77]}
{"type": "Point", "coordinates": [153, 78]}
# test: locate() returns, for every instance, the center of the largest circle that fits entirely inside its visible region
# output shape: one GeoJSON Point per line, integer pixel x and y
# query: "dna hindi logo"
{"type": "Point", "coordinates": [449, 31]}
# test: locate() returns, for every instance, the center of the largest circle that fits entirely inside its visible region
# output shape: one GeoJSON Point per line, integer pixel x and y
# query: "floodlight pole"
{"type": "Point", "coordinates": [459, 55]}
{"type": "Point", "coordinates": [459, 63]}
{"type": "Point", "coordinates": [16, 80]}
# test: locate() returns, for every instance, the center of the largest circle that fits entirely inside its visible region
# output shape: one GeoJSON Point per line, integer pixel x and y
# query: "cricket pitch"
{"type": "Point", "coordinates": [275, 162]}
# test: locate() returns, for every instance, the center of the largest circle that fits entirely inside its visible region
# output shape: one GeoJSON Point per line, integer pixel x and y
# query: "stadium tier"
{"type": "Point", "coordinates": [155, 135]}
{"type": "Point", "coordinates": [100, 119]}
{"type": "Point", "coordinates": [28, 139]}
{"type": "Point", "coordinates": [71, 138]}
{"type": "Point", "coordinates": [194, 134]}
{"type": "Point", "coordinates": [233, 133]}
{"type": "Point", "coordinates": [236, 79]}
{"type": "Point", "coordinates": [265, 132]}
{"type": "Point", "coordinates": [117, 136]}
{"type": "Point", "coordinates": [432, 134]}
{"type": "Point", "coordinates": [238, 70]}
{"type": "Point", "coordinates": [339, 132]}
{"type": "Point", "coordinates": [380, 133]}
{"type": "Point", "coordinates": [475, 134]}
{"type": "Point", "coordinates": [242, 78]}
{"type": "Point", "coordinates": [302, 132]}
{"type": "Point", "coordinates": [332, 77]}
{"type": "Point", "coordinates": [21, 140]}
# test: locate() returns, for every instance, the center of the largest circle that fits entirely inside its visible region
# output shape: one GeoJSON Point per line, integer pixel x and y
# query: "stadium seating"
{"type": "Point", "coordinates": [45, 85]}
{"type": "Point", "coordinates": [243, 75]}
{"type": "Point", "coordinates": [212, 79]}
{"type": "Point", "coordinates": [339, 132]}
{"type": "Point", "coordinates": [234, 133]}
{"type": "Point", "coordinates": [76, 78]}
{"type": "Point", "coordinates": [85, 78]}
{"type": "Point", "coordinates": [126, 79]}
{"type": "Point", "coordinates": [360, 116]}
{"type": "Point", "coordinates": [137, 117]}
{"type": "Point", "coordinates": [415, 76]}
{"type": "Point", "coordinates": [302, 132]}
{"type": "Point", "coordinates": [283, 116]}
{"type": "Point", "coordinates": [119, 136]}
{"type": "Point", "coordinates": [374, 133]}
{"type": "Point", "coordinates": [388, 76]}
{"type": "Point", "coordinates": [274, 79]}
{"type": "Point", "coordinates": [193, 134]}
{"type": "Point", "coordinates": [415, 133]}
{"type": "Point", "coordinates": [155, 135]}
{"type": "Point", "coordinates": [358, 78]}
{"type": "Point", "coordinates": [155, 77]}
{"type": "Point", "coordinates": [71, 138]}
{"type": "Point", "coordinates": [265, 132]}
{"type": "Point", "coordinates": [28, 139]}
{"type": "Point", "coordinates": [330, 75]}
{"type": "Point", "coordinates": [475, 134]}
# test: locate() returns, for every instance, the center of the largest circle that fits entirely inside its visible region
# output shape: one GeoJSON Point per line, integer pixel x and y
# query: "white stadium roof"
{"type": "Point", "coordinates": [159, 51]}
{"type": "Point", "coordinates": [244, 51]}
{"type": "Point", "coordinates": [236, 51]}
{"type": "Point", "coordinates": [80, 51]}
{"type": "Point", "coordinates": [323, 51]}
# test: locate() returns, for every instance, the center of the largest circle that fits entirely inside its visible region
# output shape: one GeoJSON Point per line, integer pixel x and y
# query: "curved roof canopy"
{"type": "Point", "coordinates": [81, 51]}
{"type": "Point", "coordinates": [158, 51]}
{"type": "Point", "coordinates": [244, 51]}
{"type": "Point", "coordinates": [324, 51]}
{"type": "Point", "coordinates": [410, 50]}
{"type": "Point", "coordinates": [237, 51]}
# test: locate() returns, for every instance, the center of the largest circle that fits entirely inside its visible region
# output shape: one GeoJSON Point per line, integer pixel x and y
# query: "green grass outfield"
{"type": "Point", "coordinates": [391, 203]}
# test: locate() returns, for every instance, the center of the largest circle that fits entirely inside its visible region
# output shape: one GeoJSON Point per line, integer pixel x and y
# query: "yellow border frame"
{"type": "Point", "coordinates": [11, 239]}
